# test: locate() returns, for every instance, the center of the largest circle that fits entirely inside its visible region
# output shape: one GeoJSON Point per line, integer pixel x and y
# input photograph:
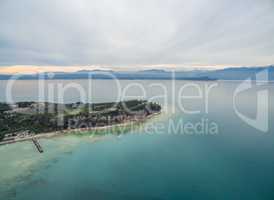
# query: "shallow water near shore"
{"type": "Point", "coordinates": [148, 163]}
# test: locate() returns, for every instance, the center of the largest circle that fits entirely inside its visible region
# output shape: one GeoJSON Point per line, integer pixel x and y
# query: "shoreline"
{"type": "Point", "coordinates": [79, 130]}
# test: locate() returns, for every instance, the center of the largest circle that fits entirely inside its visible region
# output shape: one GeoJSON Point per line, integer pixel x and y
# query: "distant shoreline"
{"type": "Point", "coordinates": [116, 78]}
{"type": "Point", "coordinates": [226, 73]}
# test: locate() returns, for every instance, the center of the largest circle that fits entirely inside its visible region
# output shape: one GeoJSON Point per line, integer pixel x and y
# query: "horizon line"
{"type": "Point", "coordinates": [36, 69]}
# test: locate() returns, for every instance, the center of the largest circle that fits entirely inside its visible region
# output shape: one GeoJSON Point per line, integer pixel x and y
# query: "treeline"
{"type": "Point", "coordinates": [4, 107]}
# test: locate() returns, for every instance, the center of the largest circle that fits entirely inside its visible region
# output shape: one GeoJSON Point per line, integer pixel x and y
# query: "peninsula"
{"type": "Point", "coordinates": [27, 120]}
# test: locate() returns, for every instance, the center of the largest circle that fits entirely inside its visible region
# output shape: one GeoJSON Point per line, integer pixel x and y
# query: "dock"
{"type": "Point", "coordinates": [38, 146]}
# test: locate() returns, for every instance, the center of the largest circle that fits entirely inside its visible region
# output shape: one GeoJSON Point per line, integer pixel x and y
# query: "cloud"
{"type": "Point", "coordinates": [137, 32]}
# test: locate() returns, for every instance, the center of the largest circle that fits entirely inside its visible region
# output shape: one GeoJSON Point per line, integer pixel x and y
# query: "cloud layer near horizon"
{"type": "Point", "coordinates": [136, 32]}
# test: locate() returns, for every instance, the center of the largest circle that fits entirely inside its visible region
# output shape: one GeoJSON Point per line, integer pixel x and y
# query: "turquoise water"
{"type": "Point", "coordinates": [236, 162]}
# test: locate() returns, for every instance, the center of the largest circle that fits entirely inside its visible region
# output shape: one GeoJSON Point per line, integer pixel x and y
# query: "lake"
{"type": "Point", "coordinates": [202, 146]}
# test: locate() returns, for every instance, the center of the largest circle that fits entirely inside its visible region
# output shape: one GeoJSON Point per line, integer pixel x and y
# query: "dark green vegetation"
{"type": "Point", "coordinates": [32, 117]}
{"type": "Point", "coordinates": [4, 107]}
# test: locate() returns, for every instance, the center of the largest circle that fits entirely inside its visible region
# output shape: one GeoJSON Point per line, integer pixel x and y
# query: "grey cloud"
{"type": "Point", "coordinates": [122, 32]}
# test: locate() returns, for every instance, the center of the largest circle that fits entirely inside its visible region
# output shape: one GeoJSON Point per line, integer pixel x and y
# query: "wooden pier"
{"type": "Point", "coordinates": [38, 146]}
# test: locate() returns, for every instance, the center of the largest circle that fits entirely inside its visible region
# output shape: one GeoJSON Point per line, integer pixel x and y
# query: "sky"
{"type": "Point", "coordinates": [132, 34]}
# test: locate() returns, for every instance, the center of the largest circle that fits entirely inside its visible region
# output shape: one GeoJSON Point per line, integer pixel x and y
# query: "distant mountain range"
{"type": "Point", "coordinates": [154, 74]}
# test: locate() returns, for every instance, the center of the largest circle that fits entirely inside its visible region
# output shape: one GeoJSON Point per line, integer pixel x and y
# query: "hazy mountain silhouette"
{"type": "Point", "coordinates": [153, 74]}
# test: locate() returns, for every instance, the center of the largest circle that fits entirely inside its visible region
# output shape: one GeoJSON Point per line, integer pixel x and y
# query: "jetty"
{"type": "Point", "coordinates": [38, 146]}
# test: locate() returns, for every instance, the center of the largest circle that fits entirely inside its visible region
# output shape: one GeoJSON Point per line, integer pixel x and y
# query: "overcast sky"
{"type": "Point", "coordinates": [125, 33]}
